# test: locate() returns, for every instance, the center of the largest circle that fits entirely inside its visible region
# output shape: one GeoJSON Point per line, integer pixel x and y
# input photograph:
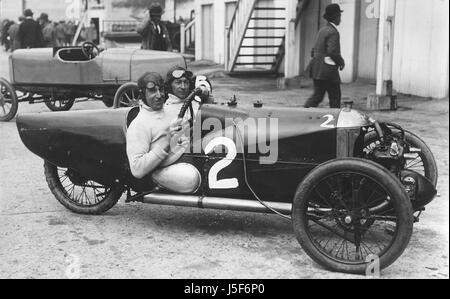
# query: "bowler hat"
{"type": "Point", "coordinates": [155, 9]}
{"type": "Point", "coordinates": [28, 13]}
{"type": "Point", "coordinates": [332, 10]}
{"type": "Point", "coordinates": [44, 16]}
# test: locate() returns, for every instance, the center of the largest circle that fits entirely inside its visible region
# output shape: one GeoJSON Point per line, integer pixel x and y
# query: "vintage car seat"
{"type": "Point", "coordinates": [71, 55]}
{"type": "Point", "coordinates": [181, 178]}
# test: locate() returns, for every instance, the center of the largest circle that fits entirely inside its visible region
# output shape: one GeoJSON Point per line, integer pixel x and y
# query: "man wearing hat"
{"type": "Point", "coordinates": [150, 147]}
{"type": "Point", "coordinates": [30, 33]}
{"type": "Point", "coordinates": [327, 61]}
{"type": "Point", "coordinates": [155, 35]}
{"type": "Point", "coordinates": [48, 31]}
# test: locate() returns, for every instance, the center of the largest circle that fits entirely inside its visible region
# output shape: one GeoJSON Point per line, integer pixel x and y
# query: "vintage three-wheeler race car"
{"type": "Point", "coordinates": [352, 186]}
{"type": "Point", "coordinates": [59, 76]}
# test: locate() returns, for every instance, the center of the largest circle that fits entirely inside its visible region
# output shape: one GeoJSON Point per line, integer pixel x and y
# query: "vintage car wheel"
{"type": "Point", "coordinates": [332, 219]}
{"type": "Point", "coordinates": [79, 195]}
{"type": "Point", "coordinates": [8, 101]}
{"type": "Point", "coordinates": [424, 162]}
{"type": "Point", "coordinates": [60, 104]}
{"type": "Point", "coordinates": [127, 96]}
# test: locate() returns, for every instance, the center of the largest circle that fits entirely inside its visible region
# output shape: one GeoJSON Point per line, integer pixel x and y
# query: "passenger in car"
{"type": "Point", "coordinates": [180, 83]}
{"type": "Point", "coordinates": [150, 141]}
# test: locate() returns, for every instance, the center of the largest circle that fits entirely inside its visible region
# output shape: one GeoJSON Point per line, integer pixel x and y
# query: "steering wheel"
{"type": "Point", "coordinates": [187, 104]}
{"type": "Point", "coordinates": [90, 50]}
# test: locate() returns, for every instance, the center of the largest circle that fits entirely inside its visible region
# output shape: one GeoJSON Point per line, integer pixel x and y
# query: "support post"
{"type": "Point", "coordinates": [182, 38]}
{"type": "Point", "coordinates": [385, 98]}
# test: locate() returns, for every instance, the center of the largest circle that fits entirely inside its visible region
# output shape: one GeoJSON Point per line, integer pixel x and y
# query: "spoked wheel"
{"type": "Point", "coordinates": [419, 158]}
{"type": "Point", "coordinates": [60, 104]}
{"type": "Point", "coordinates": [8, 101]}
{"type": "Point", "coordinates": [127, 96]}
{"type": "Point", "coordinates": [334, 221]}
{"type": "Point", "coordinates": [80, 195]}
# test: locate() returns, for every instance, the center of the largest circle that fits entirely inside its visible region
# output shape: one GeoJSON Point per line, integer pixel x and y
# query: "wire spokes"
{"type": "Point", "coordinates": [86, 193]}
{"type": "Point", "coordinates": [341, 224]}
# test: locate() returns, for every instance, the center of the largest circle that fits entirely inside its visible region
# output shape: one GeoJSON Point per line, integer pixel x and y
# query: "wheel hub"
{"type": "Point", "coordinates": [75, 178]}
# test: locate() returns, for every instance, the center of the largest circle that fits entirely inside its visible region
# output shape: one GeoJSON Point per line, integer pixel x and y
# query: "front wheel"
{"type": "Point", "coordinates": [419, 158]}
{"type": "Point", "coordinates": [8, 101]}
{"type": "Point", "coordinates": [78, 194]}
{"type": "Point", "coordinates": [60, 104]}
{"type": "Point", "coordinates": [127, 96]}
{"type": "Point", "coordinates": [334, 221]}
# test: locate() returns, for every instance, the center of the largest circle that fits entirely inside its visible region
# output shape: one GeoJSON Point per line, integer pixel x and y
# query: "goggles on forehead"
{"type": "Point", "coordinates": [177, 74]}
{"type": "Point", "coordinates": [150, 85]}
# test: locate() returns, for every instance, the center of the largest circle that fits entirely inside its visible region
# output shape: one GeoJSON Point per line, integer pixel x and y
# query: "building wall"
{"type": "Point", "coordinates": [421, 48]}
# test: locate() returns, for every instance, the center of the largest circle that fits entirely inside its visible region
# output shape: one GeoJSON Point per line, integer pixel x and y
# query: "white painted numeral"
{"type": "Point", "coordinates": [214, 183]}
{"type": "Point", "coordinates": [328, 123]}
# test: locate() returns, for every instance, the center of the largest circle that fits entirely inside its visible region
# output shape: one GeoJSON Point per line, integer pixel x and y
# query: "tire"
{"type": "Point", "coordinates": [310, 194]}
{"type": "Point", "coordinates": [423, 163]}
{"type": "Point", "coordinates": [9, 102]}
{"type": "Point", "coordinates": [58, 105]}
{"type": "Point", "coordinates": [127, 96]}
{"type": "Point", "coordinates": [70, 198]}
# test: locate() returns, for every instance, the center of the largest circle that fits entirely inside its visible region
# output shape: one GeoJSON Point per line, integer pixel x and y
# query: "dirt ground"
{"type": "Point", "coordinates": [41, 239]}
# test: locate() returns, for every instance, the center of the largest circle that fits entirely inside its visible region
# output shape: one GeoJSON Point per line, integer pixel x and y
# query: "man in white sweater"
{"type": "Point", "coordinates": [149, 139]}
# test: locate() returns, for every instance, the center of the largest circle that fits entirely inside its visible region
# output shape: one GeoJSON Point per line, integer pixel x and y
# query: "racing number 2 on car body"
{"type": "Point", "coordinates": [233, 183]}
{"type": "Point", "coordinates": [214, 183]}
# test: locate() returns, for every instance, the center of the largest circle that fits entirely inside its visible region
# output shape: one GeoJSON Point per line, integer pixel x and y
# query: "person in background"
{"type": "Point", "coordinates": [327, 61]}
{"type": "Point", "coordinates": [155, 35]}
{"type": "Point", "coordinates": [30, 33]}
{"type": "Point", "coordinates": [90, 33]}
{"type": "Point", "coordinates": [13, 33]}
{"type": "Point", "coordinates": [69, 31]}
{"type": "Point", "coordinates": [5, 40]}
{"type": "Point", "coordinates": [48, 31]}
{"type": "Point", "coordinates": [60, 34]}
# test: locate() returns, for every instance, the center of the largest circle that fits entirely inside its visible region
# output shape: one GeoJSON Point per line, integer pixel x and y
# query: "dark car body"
{"type": "Point", "coordinates": [315, 152]}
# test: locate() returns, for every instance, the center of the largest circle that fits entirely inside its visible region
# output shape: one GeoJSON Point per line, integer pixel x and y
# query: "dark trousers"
{"type": "Point", "coordinates": [320, 87]}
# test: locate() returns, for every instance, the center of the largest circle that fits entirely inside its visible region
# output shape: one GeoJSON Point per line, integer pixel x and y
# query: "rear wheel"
{"type": "Point", "coordinates": [334, 221]}
{"type": "Point", "coordinates": [80, 195]}
{"type": "Point", "coordinates": [8, 101]}
{"type": "Point", "coordinates": [57, 104]}
{"type": "Point", "coordinates": [127, 96]}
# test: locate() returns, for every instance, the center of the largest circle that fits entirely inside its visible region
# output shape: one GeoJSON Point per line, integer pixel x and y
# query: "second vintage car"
{"type": "Point", "coordinates": [58, 76]}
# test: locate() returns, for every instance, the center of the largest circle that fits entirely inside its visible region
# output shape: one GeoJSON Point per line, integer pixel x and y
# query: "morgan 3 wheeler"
{"type": "Point", "coordinates": [351, 186]}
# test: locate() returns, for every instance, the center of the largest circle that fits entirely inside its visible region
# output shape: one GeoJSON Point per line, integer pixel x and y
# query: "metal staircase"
{"type": "Point", "coordinates": [255, 39]}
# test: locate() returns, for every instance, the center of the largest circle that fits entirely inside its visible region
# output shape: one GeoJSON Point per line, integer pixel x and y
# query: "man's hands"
{"type": "Point", "coordinates": [177, 127]}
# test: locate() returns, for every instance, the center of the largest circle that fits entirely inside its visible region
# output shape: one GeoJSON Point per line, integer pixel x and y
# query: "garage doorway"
{"type": "Point", "coordinates": [208, 32]}
{"type": "Point", "coordinates": [368, 40]}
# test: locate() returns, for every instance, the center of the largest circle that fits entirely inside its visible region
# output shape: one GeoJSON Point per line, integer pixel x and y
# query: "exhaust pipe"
{"type": "Point", "coordinates": [217, 203]}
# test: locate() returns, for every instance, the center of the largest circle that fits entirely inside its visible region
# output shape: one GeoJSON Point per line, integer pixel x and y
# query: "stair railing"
{"type": "Point", "coordinates": [187, 35]}
{"type": "Point", "coordinates": [235, 33]}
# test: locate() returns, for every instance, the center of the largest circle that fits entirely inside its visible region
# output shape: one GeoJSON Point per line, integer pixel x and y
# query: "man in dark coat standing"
{"type": "Point", "coordinates": [30, 33]}
{"type": "Point", "coordinates": [327, 61]}
{"type": "Point", "coordinates": [155, 35]}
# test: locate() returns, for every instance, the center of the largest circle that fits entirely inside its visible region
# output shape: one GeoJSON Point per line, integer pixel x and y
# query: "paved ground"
{"type": "Point", "coordinates": [40, 239]}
